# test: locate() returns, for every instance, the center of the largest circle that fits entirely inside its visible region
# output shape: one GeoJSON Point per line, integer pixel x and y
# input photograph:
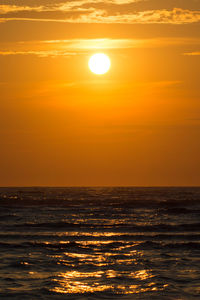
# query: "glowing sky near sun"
{"type": "Point", "coordinates": [138, 124]}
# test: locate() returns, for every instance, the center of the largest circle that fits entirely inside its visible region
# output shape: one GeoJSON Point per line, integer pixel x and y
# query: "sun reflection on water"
{"type": "Point", "coordinates": [74, 282]}
{"type": "Point", "coordinates": [142, 274]}
{"type": "Point", "coordinates": [109, 266]}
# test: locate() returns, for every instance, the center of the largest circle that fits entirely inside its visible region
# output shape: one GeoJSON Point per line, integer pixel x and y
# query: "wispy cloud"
{"type": "Point", "coordinates": [94, 43]}
{"type": "Point", "coordinates": [195, 53]}
{"type": "Point", "coordinates": [63, 6]}
{"type": "Point", "coordinates": [175, 16]}
{"type": "Point", "coordinates": [70, 47]}
{"type": "Point", "coordinates": [87, 11]}
{"type": "Point", "coordinates": [121, 43]}
{"type": "Point", "coordinates": [4, 9]}
{"type": "Point", "coordinates": [47, 53]}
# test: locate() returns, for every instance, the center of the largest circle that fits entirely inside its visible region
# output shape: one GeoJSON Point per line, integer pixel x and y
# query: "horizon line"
{"type": "Point", "coordinates": [101, 186]}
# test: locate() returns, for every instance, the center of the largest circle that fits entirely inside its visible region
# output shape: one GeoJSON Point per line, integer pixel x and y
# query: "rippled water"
{"type": "Point", "coordinates": [100, 243]}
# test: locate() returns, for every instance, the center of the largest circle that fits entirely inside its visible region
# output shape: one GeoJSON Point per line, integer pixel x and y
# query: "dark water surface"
{"type": "Point", "coordinates": [100, 243]}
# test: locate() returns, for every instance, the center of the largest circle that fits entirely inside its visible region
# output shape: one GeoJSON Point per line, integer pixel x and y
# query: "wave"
{"type": "Point", "coordinates": [112, 246]}
{"type": "Point", "coordinates": [162, 227]}
{"type": "Point", "coordinates": [95, 237]}
{"type": "Point", "coordinates": [179, 210]}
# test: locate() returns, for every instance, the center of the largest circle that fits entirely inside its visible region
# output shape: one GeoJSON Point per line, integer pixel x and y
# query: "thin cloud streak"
{"type": "Point", "coordinates": [53, 53]}
{"type": "Point", "coordinates": [71, 47]}
{"type": "Point", "coordinates": [122, 43]}
{"type": "Point", "coordinates": [93, 15]}
{"type": "Point", "coordinates": [175, 16]}
{"type": "Point", "coordinates": [197, 53]}
{"type": "Point", "coordinates": [55, 48]}
{"type": "Point", "coordinates": [68, 6]}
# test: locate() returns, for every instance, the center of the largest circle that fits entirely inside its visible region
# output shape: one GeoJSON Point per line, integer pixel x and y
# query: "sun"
{"type": "Point", "coordinates": [99, 63]}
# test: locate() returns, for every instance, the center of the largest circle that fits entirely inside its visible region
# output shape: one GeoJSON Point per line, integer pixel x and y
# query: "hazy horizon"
{"type": "Point", "coordinates": [101, 186]}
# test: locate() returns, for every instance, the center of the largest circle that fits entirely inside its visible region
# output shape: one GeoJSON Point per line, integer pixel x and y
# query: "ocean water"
{"type": "Point", "coordinates": [100, 243]}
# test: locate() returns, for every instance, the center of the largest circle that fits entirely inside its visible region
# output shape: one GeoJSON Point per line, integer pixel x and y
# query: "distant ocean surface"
{"type": "Point", "coordinates": [100, 243]}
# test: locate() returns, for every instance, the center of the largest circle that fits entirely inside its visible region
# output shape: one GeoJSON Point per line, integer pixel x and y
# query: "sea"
{"type": "Point", "coordinates": [100, 243]}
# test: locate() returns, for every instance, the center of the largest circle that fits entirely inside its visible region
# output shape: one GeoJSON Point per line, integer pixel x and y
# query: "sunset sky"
{"type": "Point", "coordinates": [62, 125]}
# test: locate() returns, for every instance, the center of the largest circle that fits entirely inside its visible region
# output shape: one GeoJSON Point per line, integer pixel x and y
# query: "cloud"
{"type": "Point", "coordinates": [94, 43]}
{"type": "Point", "coordinates": [71, 47]}
{"type": "Point", "coordinates": [5, 9]}
{"type": "Point", "coordinates": [197, 53]}
{"type": "Point", "coordinates": [108, 43]}
{"type": "Point", "coordinates": [48, 53]}
{"type": "Point", "coordinates": [63, 6]}
{"type": "Point", "coordinates": [175, 16]}
{"type": "Point", "coordinates": [88, 11]}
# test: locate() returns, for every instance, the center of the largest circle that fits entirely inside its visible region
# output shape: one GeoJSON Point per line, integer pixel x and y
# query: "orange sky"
{"type": "Point", "coordinates": [61, 125]}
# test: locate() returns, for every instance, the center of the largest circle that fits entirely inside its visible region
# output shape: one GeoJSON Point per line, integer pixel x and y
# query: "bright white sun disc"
{"type": "Point", "coordinates": [99, 63]}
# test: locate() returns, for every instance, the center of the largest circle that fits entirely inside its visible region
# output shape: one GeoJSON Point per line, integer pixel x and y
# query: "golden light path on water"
{"type": "Point", "coordinates": [74, 282]}
{"type": "Point", "coordinates": [77, 282]}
